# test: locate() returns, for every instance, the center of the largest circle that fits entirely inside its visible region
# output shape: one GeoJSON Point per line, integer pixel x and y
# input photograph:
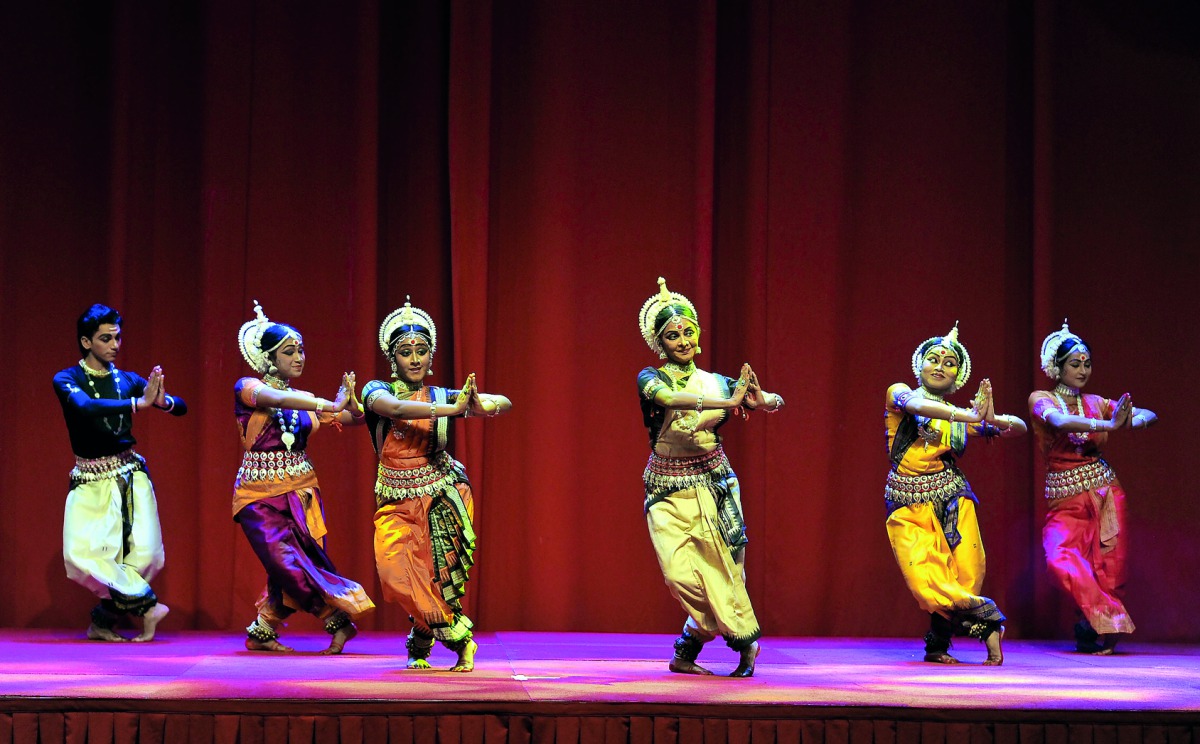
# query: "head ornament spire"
{"type": "Point", "coordinates": [417, 325]}
{"type": "Point", "coordinates": [1051, 345]}
{"type": "Point", "coordinates": [681, 308]}
{"type": "Point", "coordinates": [951, 343]}
{"type": "Point", "coordinates": [250, 340]}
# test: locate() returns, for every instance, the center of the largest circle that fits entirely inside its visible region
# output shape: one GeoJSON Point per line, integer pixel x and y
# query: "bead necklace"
{"type": "Point", "coordinates": [91, 381]}
{"type": "Point", "coordinates": [1077, 437]}
{"type": "Point", "coordinates": [287, 428]}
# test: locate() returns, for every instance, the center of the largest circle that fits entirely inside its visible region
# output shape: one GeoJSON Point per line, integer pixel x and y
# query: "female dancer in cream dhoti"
{"type": "Point", "coordinates": [693, 498]}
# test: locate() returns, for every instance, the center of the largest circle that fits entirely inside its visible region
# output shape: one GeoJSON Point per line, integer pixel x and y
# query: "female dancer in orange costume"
{"type": "Point", "coordinates": [424, 539]}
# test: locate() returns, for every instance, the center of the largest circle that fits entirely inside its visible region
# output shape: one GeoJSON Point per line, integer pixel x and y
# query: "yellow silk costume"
{"type": "Point", "coordinates": [932, 524]}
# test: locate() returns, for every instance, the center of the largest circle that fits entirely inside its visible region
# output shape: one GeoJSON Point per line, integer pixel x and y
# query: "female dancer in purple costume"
{"type": "Point", "coordinates": [277, 500]}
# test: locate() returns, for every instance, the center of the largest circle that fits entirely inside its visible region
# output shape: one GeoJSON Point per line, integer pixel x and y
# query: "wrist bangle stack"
{"type": "Point", "coordinates": [432, 410]}
{"type": "Point", "coordinates": [952, 411]}
{"type": "Point", "coordinates": [699, 403]}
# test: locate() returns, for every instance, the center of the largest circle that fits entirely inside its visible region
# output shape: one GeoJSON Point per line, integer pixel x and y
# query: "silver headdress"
{"type": "Point", "coordinates": [406, 316]}
{"type": "Point", "coordinates": [250, 341]}
{"type": "Point", "coordinates": [949, 341]}
{"type": "Point", "coordinates": [1050, 348]}
{"type": "Point", "coordinates": [654, 306]}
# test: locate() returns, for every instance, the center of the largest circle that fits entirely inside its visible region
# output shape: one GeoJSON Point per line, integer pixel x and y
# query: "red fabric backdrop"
{"type": "Point", "coordinates": [830, 182]}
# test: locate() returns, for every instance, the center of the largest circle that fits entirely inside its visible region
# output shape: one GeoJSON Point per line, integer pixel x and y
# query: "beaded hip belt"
{"type": "Point", "coordinates": [105, 468]}
{"type": "Point", "coordinates": [426, 479]}
{"type": "Point", "coordinates": [680, 473]}
{"type": "Point", "coordinates": [920, 489]}
{"type": "Point", "coordinates": [274, 465]}
{"type": "Point", "coordinates": [1064, 483]}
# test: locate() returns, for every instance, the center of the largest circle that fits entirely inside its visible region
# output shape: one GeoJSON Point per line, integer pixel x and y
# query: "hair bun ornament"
{"type": "Point", "coordinates": [652, 307]}
{"type": "Point", "coordinates": [250, 340]}
{"type": "Point", "coordinates": [1050, 348]}
{"type": "Point", "coordinates": [402, 316]}
{"type": "Point", "coordinates": [950, 341]}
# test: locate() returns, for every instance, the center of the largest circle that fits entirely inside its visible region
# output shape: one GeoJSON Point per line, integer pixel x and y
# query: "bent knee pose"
{"type": "Point", "coordinates": [1084, 534]}
{"type": "Point", "coordinates": [112, 541]}
{"type": "Point", "coordinates": [276, 498]}
{"type": "Point", "coordinates": [693, 499]}
{"type": "Point", "coordinates": [424, 537]}
{"type": "Point", "coordinates": [931, 520]}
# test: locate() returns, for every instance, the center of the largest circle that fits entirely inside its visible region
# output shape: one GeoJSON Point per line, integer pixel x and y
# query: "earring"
{"type": "Point", "coordinates": [699, 350]}
{"type": "Point", "coordinates": [395, 371]}
{"type": "Point", "coordinates": [272, 369]}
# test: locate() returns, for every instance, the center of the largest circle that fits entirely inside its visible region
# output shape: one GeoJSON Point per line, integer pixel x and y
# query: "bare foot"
{"type": "Point", "coordinates": [253, 644]}
{"type": "Point", "coordinates": [338, 642]}
{"type": "Point", "coordinates": [96, 633]}
{"type": "Point", "coordinates": [995, 655]}
{"type": "Point", "coordinates": [745, 667]}
{"type": "Point", "coordinates": [415, 663]}
{"type": "Point", "coordinates": [941, 658]}
{"type": "Point", "coordinates": [150, 621]}
{"type": "Point", "coordinates": [466, 657]}
{"type": "Point", "coordinates": [683, 666]}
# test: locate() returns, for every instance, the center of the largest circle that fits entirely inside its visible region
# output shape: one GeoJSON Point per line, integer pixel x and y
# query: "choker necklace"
{"type": "Point", "coordinates": [926, 393]}
{"type": "Point", "coordinates": [96, 373]}
{"type": "Point", "coordinates": [1061, 389]}
{"type": "Point", "coordinates": [276, 382]}
{"type": "Point", "coordinates": [411, 387]}
{"type": "Point", "coordinates": [679, 374]}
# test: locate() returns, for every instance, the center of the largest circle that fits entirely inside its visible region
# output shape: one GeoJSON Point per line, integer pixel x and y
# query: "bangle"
{"type": "Point", "coordinates": [699, 402]}
{"type": "Point", "coordinates": [133, 404]}
{"type": "Point", "coordinates": [1091, 424]}
{"type": "Point", "coordinates": [432, 410]}
{"type": "Point", "coordinates": [495, 408]}
{"type": "Point", "coordinates": [320, 406]}
{"type": "Point", "coordinates": [952, 410]}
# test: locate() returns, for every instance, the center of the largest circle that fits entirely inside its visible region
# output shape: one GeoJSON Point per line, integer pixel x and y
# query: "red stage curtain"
{"type": "Point", "coordinates": [830, 182]}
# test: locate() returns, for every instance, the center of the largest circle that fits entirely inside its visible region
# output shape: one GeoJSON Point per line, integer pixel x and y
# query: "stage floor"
{"type": "Point", "coordinates": [515, 670]}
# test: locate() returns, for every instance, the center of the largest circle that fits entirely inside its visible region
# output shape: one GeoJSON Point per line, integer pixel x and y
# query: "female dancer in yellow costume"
{"type": "Point", "coordinates": [931, 508]}
{"type": "Point", "coordinates": [693, 499]}
{"type": "Point", "coordinates": [424, 539]}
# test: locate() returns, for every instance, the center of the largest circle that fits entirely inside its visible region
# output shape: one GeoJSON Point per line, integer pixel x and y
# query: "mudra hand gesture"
{"type": "Point", "coordinates": [1123, 411]}
{"type": "Point", "coordinates": [468, 392]}
{"type": "Point", "coordinates": [982, 404]}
